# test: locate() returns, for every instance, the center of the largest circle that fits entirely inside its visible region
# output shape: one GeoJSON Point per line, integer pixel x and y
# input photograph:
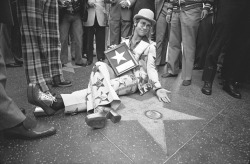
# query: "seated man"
{"type": "Point", "coordinates": [101, 96]}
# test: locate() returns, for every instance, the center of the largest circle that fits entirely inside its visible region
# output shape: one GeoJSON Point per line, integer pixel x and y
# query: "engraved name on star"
{"type": "Point", "coordinates": [119, 56]}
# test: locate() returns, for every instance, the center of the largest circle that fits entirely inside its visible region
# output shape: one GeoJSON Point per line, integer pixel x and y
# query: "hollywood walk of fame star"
{"type": "Point", "coordinates": [103, 97]}
{"type": "Point", "coordinates": [135, 110]}
{"type": "Point", "coordinates": [99, 83]}
{"type": "Point", "coordinates": [119, 56]}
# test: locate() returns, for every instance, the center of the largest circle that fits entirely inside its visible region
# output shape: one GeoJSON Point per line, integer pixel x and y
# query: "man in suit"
{"type": "Point", "coordinates": [12, 120]}
{"type": "Point", "coordinates": [120, 19]}
{"type": "Point", "coordinates": [162, 29]}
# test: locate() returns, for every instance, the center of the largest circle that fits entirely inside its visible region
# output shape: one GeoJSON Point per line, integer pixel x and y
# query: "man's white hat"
{"type": "Point", "coordinates": [145, 14]}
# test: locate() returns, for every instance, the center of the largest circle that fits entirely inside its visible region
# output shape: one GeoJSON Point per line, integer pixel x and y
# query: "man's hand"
{"type": "Point", "coordinates": [162, 95]}
{"type": "Point", "coordinates": [168, 18]}
{"type": "Point", "coordinates": [204, 13]}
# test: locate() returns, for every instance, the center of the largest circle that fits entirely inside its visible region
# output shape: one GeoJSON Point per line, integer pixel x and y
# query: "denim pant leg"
{"type": "Point", "coordinates": [125, 28]}
{"type": "Point", "coordinates": [115, 32]}
{"type": "Point", "coordinates": [190, 21]}
{"type": "Point", "coordinates": [77, 32]}
{"type": "Point", "coordinates": [174, 48]}
{"type": "Point", "coordinates": [64, 37]}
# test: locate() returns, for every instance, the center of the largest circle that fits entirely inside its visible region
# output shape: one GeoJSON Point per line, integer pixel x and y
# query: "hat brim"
{"type": "Point", "coordinates": [142, 17]}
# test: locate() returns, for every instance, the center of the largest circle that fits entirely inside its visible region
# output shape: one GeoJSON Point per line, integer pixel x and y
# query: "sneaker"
{"type": "Point", "coordinates": [186, 82]}
{"type": "Point", "coordinates": [43, 100]}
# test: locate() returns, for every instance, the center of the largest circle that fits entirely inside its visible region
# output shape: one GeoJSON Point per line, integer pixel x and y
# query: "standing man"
{"type": "Point", "coordinates": [120, 19]}
{"type": "Point", "coordinates": [41, 43]}
{"type": "Point", "coordinates": [162, 31]}
{"type": "Point", "coordinates": [185, 16]}
{"type": "Point", "coordinates": [232, 32]}
{"type": "Point", "coordinates": [12, 121]}
{"type": "Point", "coordinates": [71, 15]}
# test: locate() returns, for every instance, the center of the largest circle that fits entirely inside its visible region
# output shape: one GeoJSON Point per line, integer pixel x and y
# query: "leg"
{"type": "Point", "coordinates": [77, 31]}
{"type": "Point", "coordinates": [161, 37]}
{"type": "Point", "coordinates": [115, 32]}
{"type": "Point", "coordinates": [89, 47]}
{"type": "Point", "coordinates": [174, 48]}
{"type": "Point", "coordinates": [100, 42]}
{"type": "Point", "coordinates": [190, 21]}
{"type": "Point", "coordinates": [125, 29]}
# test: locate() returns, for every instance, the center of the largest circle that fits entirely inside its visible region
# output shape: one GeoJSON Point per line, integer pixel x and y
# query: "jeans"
{"type": "Point", "coordinates": [71, 24]}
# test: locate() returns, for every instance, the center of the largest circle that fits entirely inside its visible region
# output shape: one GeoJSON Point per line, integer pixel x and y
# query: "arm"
{"type": "Point", "coordinates": [160, 92]}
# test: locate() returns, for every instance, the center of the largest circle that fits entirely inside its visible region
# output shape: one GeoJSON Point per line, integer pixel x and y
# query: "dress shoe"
{"type": "Point", "coordinates": [46, 101]}
{"type": "Point", "coordinates": [230, 88]}
{"type": "Point", "coordinates": [99, 118]}
{"type": "Point", "coordinates": [89, 63]}
{"type": "Point", "coordinates": [81, 64]}
{"type": "Point", "coordinates": [186, 82]}
{"type": "Point", "coordinates": [58, 83]}
{"type": "Point", "coordinates": [207, 88]}
{"type": "Point", "coordinates": [12, 65]}
{"type": "Point", "coordinates": [166, 75]}
{"type": "Point", "coordinates": [29, 129]}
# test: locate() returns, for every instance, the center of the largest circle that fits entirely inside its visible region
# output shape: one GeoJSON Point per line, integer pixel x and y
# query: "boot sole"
{"type": "Point", "coordinates": [113, 116]}
{"type": "Point", "coordinates": [96, 122]}
{"type": "Point", "coordinates": [49, 111]}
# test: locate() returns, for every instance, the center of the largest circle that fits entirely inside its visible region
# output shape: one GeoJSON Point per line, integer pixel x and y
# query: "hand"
{"type": "Point", "coordinates": [168, 18]}
{"type": "Point", "coordinates": [91, 4]}
{"type": "Point", "coordinates": [124, 4]}
{"type": "Point", "coordinates": [112, 46]}
{"type": "Point", "coordinates": [162, 95]}
{"type": "Point", "coordinates": [204, 13]}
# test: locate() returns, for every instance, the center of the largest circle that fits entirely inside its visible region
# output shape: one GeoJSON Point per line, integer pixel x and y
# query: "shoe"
{"type": "Point", "coordinates": [89, 63]}
{"type": "Point", "coordinates": [186, 82]}
{"type": "Point", "coordinates": [82, 64]}
{"type": "Point", "coordinates": [207, 88]}
{"type": "Point", "coordinates": [58, 83]}
{"type": "Point", "coordinates": [166, 75]}
{"type": "Point", "coordinates": [197, 67]}
{"type": "Point", "coordinates": [12, 65]}
{"type": "Point", "coordinates": [29, 129]}
{"type": "Point", "coordinates": [99, 118]}
{"type": "Point", "coordinates": [38, 98]}
{"type": "Point", "coordinates": [230, 88]}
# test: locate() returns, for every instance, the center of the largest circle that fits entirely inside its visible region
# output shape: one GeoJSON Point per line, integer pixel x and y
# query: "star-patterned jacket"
{"type": "Point", "coordinates": [146, 73]}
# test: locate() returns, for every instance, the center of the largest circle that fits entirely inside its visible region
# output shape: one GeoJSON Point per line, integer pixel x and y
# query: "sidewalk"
{"type": "Point", "coordinates": [193, 128]}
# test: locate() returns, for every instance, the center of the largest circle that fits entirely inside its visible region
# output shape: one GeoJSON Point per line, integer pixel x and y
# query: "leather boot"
{"type": "Point", "coordinates": [207, 88]}
{"type": "Point", "coordinates": [57, 82]}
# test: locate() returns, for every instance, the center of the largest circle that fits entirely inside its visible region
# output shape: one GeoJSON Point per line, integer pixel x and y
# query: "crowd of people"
{"type": "Point", "coordinates": [184, 35]}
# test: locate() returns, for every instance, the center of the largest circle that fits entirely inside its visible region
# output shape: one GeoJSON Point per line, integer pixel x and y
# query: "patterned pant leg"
{"type": "Point", "coordinates": [30, 15]}
{"type": "Point", "coordinates": [103, 91]}
{"type": "Point", "coordinates": [51, 37]}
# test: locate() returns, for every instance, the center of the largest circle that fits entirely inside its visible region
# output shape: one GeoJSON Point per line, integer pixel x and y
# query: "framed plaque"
{"type": "Point", "coordinates": [121, 59]}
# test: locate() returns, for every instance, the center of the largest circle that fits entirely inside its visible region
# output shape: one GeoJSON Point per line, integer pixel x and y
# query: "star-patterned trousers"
{"type": "Point", "coordinates": [104, 88]}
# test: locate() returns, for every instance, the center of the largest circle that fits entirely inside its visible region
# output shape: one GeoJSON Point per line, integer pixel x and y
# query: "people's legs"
{"type": "Point", "coordinates": [125, 28]}
{"type": "Point", "coordinates": [5, 43]}
{"type": "Point", "coordinates": [174, 48]}
{"type": "Point", "coordinates": [190, 21]}
{"type": "Point", "coordinates": [161, 37]}
{"type": "Point", "coordinates": [10, 114]}
{"type": "Point", "coordinates": [90, 31]}
{"type": "Point", "coordinates": [115, 32]}
{"type": "Point", "coordinates": [33, 37]}
{"type": "Point", "coordinates": [100, 42]}
{"type": "Point", "coordinates": [203, 41]}
{"type": "Point", "coordinates": [64, 26]}
{"type": "Point", "coordinates": [77, 31]}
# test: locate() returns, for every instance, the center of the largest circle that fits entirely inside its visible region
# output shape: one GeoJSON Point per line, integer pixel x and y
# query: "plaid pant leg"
{"type": "Point", "coordinates": [30, 15]}
{"type": "Point", "coordinates": [51, 37]}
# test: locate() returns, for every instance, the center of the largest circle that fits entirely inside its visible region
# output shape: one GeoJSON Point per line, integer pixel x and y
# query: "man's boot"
{"type": "Point", "coordinates": [207, 88]}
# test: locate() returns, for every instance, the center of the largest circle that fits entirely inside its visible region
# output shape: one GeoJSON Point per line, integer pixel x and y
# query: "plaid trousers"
{"type": "Point", "coordinates": [41, 47]}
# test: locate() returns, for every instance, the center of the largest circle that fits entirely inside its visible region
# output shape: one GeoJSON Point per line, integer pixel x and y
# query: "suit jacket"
{"type": "Point", "coordinates": [158, 7]}
{"type": "Point", "coordinates": [99, 11]}
{"type": "Point", "coordinates": [119, 13]}
{"type": "Point", "coordinates": [5, 12]}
